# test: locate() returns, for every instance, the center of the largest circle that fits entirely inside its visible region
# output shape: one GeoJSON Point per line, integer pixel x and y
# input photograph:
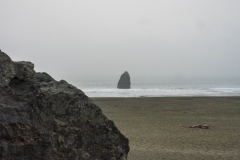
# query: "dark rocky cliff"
{"type": "Point", "coordinates": [41, 118]}
{"type": "Point", "coordinates": [124, 81]}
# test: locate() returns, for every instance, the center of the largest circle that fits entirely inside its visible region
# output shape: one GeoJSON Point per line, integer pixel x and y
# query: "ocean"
{"type": "Point", "coordinates": [162, 88]}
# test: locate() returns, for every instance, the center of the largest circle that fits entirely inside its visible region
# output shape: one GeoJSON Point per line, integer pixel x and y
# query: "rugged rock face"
{"type": "Point", "coordinates": [41, 118]}
{"type": "Point", "coordinates": [124, 81]}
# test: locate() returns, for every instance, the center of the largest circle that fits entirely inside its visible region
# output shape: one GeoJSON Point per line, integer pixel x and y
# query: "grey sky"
{"type": "Point", "coordinates": [82, 39]}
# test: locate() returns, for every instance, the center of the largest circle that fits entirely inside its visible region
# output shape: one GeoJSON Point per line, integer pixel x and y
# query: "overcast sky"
{"type": "Point", "coordinates": [81, 39]}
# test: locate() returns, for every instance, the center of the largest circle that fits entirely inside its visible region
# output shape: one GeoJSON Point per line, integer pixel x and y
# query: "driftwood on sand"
{"type": "Point", "coordinates": [202, 126]}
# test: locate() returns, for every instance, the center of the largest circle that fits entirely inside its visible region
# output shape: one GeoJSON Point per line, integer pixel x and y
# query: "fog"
{"type": "Point", "coordinates": [154, 39]}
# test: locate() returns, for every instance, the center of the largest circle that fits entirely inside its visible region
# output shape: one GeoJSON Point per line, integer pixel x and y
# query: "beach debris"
{"type": "Point", "coordinates": [202, 126]}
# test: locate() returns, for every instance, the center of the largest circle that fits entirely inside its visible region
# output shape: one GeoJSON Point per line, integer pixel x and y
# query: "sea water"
{"type": "Point", "coordinates": [161, 88]}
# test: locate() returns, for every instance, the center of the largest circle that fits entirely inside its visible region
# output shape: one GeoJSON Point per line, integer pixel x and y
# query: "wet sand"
{"type": "Point", "coordinates": [154, 126]}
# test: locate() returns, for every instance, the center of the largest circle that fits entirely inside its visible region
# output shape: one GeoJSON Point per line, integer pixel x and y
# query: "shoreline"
{"type": "Point", "coordinates": [153, 126]}
{"type": "Point", "coordinates": [173, 97]}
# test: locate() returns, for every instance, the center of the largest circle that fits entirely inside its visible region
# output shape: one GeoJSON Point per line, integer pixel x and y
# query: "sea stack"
{"type": "Point", "coordinates": [41, 118]}
{"type": "Point", "coordinates": [124, 81]}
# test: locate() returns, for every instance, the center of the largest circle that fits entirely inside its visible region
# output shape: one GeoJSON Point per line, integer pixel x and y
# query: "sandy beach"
{"type": "Point", "coordinates": [154, 126]}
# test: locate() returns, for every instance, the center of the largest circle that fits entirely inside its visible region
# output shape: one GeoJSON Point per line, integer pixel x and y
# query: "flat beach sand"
{"type": "Point", "coordinates": [154, 126]}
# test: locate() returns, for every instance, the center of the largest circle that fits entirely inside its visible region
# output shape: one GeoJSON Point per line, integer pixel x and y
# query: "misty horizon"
{"type": "Point", "coordinates": [100, 40]}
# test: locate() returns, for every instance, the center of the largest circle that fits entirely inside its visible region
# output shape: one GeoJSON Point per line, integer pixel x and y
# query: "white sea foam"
{"type": "Point", "coordinates": [156, 92]}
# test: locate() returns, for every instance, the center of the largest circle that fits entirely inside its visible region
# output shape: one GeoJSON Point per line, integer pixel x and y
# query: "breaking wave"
{"type": "Point", "coordinates": [157, 92]}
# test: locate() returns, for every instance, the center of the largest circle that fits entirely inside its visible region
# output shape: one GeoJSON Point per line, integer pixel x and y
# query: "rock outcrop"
{"type": "Point", "coordinates": [41, 118]}
{"type": "Point", "coordinates": [124, 81]}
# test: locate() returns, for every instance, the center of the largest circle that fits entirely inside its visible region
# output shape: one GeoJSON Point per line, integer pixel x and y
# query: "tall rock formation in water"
{"type": "Point", "coordinates": [41, 118]}
{"type": "Point", "coordinates": [124, 81]}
